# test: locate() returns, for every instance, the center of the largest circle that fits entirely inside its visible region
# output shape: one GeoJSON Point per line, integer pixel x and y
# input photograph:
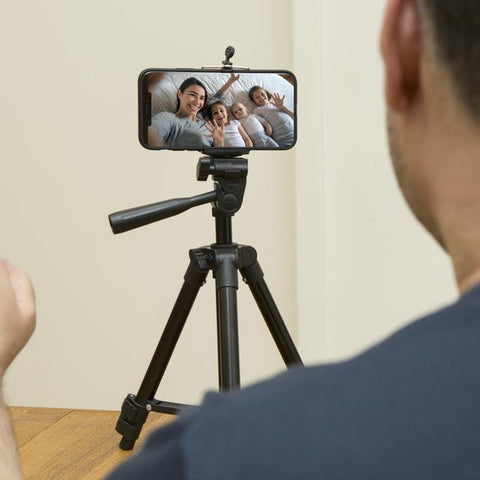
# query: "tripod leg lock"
{"type": "Point", "coordinates": [248, 265]}
{"type": "Point", "coordinates": [131, 420]}
{"type": "Point", "coordinates": [200, 259]}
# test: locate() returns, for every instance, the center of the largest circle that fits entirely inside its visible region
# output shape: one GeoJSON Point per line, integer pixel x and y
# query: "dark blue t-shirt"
{"type": "Point", "coordinates": [408, 408]}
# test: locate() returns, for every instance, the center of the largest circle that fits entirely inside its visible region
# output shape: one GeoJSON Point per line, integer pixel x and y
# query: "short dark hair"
{"type": "Point", "coordinates": [455, 29]}
{"type": "Point", "coordinates": [187, 83]}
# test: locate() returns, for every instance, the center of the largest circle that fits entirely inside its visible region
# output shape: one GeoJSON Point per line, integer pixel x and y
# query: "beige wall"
{"type": "Point", "coordinates": [369, 266]}
{"type": "Point", "coordinates": [70, 156]}
{"type": "Point", "coordinates": [344, 258]}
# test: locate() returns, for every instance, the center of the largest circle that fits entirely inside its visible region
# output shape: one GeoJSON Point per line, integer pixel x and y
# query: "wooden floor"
{"type": "Point", "coordinates": [58, 444]}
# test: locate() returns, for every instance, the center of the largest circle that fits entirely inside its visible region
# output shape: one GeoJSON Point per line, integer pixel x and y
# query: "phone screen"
{"type": "Point", "coordinates": [217, 111]}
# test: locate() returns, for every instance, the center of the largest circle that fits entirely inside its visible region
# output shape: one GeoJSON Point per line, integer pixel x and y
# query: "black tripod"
{"type": "Point", "coordinates": [224, 258]}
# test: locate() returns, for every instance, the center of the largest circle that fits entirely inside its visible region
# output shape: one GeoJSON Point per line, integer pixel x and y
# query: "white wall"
{"type": "Point", "coordinates": [366, 267]}
{"type": "Point", "coordinates": [70, 156]}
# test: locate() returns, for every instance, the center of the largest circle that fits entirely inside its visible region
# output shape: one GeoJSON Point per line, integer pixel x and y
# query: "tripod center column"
{"type": "Point", "coordinates": [226, 279]}
{"type": "Point", "coordinates": [223, 228]}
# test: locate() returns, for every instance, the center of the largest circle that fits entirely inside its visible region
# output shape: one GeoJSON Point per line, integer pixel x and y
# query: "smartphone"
{"type": "Point", "coordinates": [216, 111]}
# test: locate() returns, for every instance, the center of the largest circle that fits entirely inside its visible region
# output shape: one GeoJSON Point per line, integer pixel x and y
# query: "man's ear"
{"type": "Point", "coordinates": [401, 49]}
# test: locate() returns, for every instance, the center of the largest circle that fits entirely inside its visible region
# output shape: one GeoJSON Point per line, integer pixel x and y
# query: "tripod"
{"type": "Point", "coordinates": [224, 258]}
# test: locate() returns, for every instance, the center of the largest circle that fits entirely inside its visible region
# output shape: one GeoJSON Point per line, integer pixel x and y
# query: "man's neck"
{"type": "Point", "coordinates": [458, 210]}
{"type": "Point", "coordinates": [448, 148]}
{"type": "Point", "coordinates": [464, 250]}
{"type": "Point", "coordinates": [469, 282]}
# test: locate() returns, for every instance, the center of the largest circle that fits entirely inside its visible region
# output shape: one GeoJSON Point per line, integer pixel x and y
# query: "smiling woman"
{"type": "Point", "coordinates": [191, 98]}
{"type": "Point", "coordinates": [186, 127]}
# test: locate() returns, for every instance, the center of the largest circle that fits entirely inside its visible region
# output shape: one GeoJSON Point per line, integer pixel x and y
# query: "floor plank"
{"type": "Point", "coordinates": [56, 444]}
{"type": "Point", "coordinates": [28, 422]}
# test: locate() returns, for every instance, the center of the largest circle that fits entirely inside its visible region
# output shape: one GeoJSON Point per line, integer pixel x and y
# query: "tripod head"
{"type": "Point", "coordinates": [230, 180]}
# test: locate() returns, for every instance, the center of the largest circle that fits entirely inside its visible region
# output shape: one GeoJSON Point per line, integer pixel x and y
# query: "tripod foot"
{"type": "Point", "coordinates": [126, 444]}
{"type": "Point", "coordinates": [130, 422]}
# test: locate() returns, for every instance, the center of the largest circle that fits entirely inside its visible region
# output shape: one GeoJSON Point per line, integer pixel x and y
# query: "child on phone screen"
{"type": "Point", "coordinates": [273, 109]}
{"type": "Point", "coordinates": [235, 135]}
{"type": "Point", "coordinates": [257, 128]}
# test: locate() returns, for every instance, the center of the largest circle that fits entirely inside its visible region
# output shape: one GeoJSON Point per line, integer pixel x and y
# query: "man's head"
{"type": "Point", "coordinates": [431, 51]}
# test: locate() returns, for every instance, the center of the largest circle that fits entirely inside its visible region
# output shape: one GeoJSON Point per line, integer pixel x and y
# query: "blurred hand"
{"type": "Point", "coordinates": [17, 312]}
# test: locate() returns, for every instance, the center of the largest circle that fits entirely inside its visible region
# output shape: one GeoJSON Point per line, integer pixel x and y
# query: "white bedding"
{"type": "Point", "coordinates": [165, 87]}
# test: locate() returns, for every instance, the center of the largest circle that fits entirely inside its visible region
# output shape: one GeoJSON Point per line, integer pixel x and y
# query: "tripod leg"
{"type": "Point", "coordinates": [135, 408]}
{"type": "Point", "coordinates": [226, 277]}
{"type": "Point", "coordinates": [253, 276]}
